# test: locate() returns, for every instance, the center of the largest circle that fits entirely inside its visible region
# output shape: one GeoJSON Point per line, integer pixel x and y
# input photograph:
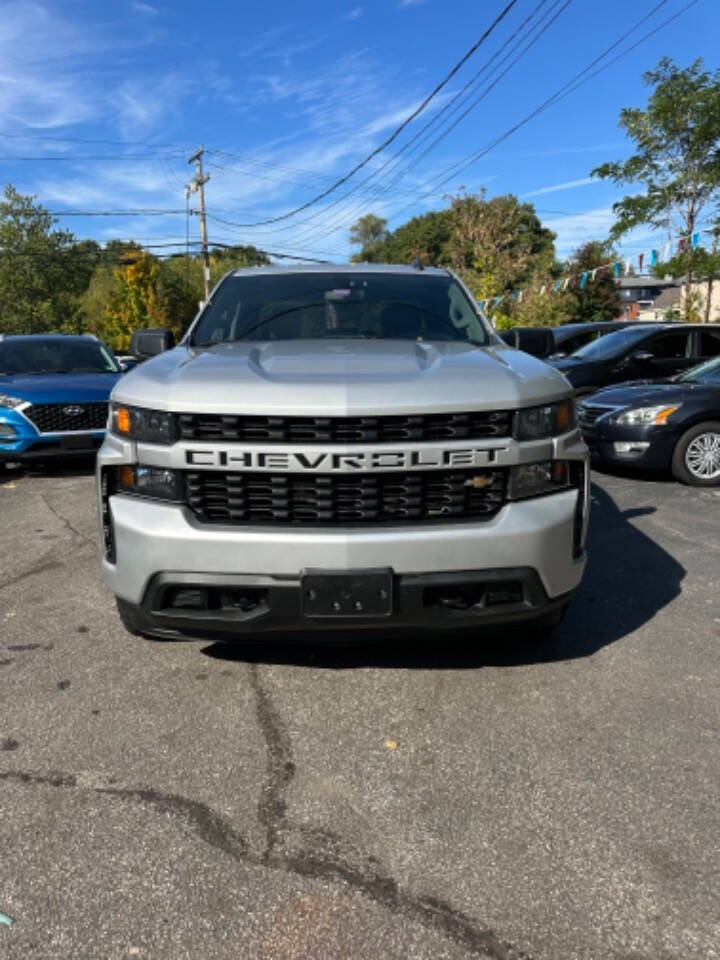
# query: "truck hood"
{"type": "Point", "coordinates": [340, 378]}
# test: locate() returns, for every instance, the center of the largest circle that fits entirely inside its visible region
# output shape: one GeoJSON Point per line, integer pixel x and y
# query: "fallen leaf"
{"type": "Point", "coordinates": [391, 744]}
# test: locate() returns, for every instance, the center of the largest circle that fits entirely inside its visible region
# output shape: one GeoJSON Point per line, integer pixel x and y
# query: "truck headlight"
{"type": "Point", "coordinates": [156, 483]}
{"type": "Point", "coordinates": [539, 423]}
{"type": "Point", "coordinates": [536, 479]}
{"type": "Point", "coordinates": [10, 402]}
{"type": "Point", "coordinates": [138, 423]}
{"type": "Point", "coordinates": [645, 415]}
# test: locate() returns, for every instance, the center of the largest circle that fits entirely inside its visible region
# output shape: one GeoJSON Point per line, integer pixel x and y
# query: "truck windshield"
{"type": "Point", "coordinates": [310, 306]}
{"type": "Point", "coordinates": [36, 356]}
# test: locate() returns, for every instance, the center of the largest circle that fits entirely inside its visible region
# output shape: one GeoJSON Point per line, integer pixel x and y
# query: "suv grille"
{"type": "Point", "coordinates": [327, 499]}
{"type": "Point", "coordinates": [413, 427]}
{"type": "Point", "coordinates": [51, 417]}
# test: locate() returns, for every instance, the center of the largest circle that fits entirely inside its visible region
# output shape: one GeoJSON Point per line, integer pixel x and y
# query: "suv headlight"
{"type": "Point", "coordinates": [137, 423]}
{"type": "Point", "coordinates": [539, 423]}
{"type": "Point", "coordinates": [645, 415]}
{"type": "Point", "coordinates": [10, 402]}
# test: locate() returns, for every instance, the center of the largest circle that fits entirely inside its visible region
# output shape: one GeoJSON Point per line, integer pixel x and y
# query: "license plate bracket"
{"type": "Point", "coordinates": [362, 593]}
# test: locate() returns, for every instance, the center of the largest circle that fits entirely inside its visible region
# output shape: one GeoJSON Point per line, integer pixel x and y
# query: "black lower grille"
{"type": "Point", "coordinates": [392, 429]}
{"type": "Point", "coordinates": [328, 499]}
{"type": "Point", "coordinates": [66, 417]}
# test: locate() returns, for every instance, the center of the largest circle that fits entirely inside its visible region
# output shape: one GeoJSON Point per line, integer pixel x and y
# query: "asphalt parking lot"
{"type": "Point", "coordinates": [487, 798]}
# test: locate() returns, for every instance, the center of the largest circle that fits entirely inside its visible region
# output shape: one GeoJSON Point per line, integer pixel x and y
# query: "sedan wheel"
{"type": "Point", "coordinates": [696, 460]}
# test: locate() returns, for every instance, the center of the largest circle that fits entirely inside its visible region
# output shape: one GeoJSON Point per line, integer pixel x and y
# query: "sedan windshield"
{"type": "Point", "coordinates": [326, 306]}
{"type": "Point", "coordinates": [37, 356]}
{"type": "Point", "coordinates": [708, 372]}
{"type": "Point", "coordinates": [612, 344]}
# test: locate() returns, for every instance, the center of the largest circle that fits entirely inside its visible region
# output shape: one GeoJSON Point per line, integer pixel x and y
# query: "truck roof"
{"type": "Point", "coordinates": [397, 268]}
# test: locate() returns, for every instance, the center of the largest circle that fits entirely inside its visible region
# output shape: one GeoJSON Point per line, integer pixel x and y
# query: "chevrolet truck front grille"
{"type": "Point", "coordinates": [432, 496]}
{"type": "Point", "coordinates": [392, 429]}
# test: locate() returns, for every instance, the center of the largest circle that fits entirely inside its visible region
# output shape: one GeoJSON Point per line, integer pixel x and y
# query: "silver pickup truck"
{"type": "Point", "coordinates": [334, 448]}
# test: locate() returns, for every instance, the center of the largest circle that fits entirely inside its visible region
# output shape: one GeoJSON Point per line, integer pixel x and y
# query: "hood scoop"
{"type": "Point", "coordinates": [338, 362]}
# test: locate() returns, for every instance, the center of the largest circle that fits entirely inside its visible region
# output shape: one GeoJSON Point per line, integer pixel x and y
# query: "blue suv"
{"type": "Point", "coordinates": [54, 392]}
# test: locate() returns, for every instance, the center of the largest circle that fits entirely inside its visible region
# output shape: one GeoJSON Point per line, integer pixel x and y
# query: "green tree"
{"type": "Point", "coordinates": [677, 156]}
{"type": "Point", "coordinates": [498, 245]}
{"type": "Point", "coordinates": [599, 299]}
{"type": "Point", "coordinates": [425, 237]}
{"type": "Point", "coordinates": [368, 231]}
{"type": "Point", "coordinates": [43, 271]}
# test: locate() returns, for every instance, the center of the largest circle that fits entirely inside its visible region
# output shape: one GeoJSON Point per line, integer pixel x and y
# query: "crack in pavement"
{"type": "Point", "coordinates": [322, 854]}
{"type": "Point", "coordinates": [52, 560]}
{"type": "Point", "coordinates": [64, 520]}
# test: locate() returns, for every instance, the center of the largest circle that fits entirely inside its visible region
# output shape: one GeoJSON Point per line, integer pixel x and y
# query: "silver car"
{"type": "Point", "coordinates": [336, 448]}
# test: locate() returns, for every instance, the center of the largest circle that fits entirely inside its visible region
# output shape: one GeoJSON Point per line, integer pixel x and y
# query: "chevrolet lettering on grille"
{"type": "Point", "coordinates": [374, 460]}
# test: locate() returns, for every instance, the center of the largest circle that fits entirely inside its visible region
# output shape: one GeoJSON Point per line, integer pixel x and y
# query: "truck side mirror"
{"type": "Point", "coordinates": [149, 343]}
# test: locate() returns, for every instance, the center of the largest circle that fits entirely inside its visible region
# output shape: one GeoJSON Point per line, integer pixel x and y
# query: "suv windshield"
{"type": "Point", "coordinates": [55, 356]}
{"type": "Point", "coordinates": [339, 305]}
{"type": "Point", "coordinates": [708, 372]}
{"type": "Point", "coordinates": [612, 344]}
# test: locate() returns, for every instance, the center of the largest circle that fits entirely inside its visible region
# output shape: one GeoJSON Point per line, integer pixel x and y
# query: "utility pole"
{"type": "Point", "coordinates": [197, 185]}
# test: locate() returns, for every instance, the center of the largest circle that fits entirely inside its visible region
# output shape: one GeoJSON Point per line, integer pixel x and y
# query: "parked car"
{"type": "Point", "coordinates": [54, 392]}
{"type": "Point", "coordinates": [659, 425]}
{"type": "Point", "coordinates": [126, 362]}
{"type": "Point", "coordinates": [338, 448]}
{"type": "Point", "coordinates": [642, 352]}
{"type": "Point", "coordinates": [558, 342]}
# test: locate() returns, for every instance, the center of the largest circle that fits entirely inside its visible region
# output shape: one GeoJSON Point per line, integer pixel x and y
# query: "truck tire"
{"type": "Point", "coordinates": [689, 464]}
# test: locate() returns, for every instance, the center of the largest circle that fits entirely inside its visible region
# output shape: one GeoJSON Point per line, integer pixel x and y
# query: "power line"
{"type": "Point", "coordinates": [115, 213]}
{"type": "Point", "coordinates": [113, 143]}
{"type": "Point", "coordinates": [383, 189]}
{"type": "Point", "coordinates": [396, 133]}
{"type": "Point", "coordinates": [442, 115]}
{"type": "Point", "coordinates": [77, 158]}
{"type": "Point", "coordinates": [578, 80]}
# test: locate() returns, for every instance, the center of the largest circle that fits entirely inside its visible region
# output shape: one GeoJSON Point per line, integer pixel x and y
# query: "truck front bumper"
{"type": "Point", "coordinates": [523, 563]}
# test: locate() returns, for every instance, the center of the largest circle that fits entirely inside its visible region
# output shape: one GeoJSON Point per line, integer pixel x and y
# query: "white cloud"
{"type": "Point", "coordinates": [145, 9]}
{"type": "Point", "coordinates": [354, 14]}
{"type": "Point", "coordinates": [558, 187]}
{"type": "Point", "coordinates": [411, 3]}
{"type": "Point", "coordinates": [576, 229]}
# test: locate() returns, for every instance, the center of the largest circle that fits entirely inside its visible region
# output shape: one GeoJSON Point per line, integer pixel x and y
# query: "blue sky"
{"type": "Point", "coordinates": [287, 97]}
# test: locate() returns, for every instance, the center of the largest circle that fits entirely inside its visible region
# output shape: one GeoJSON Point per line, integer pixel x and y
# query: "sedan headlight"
{"type": "Point", "coordinates": [645, 415]}
{"type": "Point", "coordinates": [147, 426]}
{"type": "Point", "coordinates": [540, 423]}
{"type": "Point", "coordinates": [10, 402]}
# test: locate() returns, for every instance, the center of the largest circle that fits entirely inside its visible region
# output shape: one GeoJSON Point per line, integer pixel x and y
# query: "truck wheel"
{"type": "Point", "coordinates": [696, 458]}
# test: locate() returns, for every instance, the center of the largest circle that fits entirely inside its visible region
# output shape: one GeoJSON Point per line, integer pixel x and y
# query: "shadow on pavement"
{"type": "Point", "coordinates": [73, 467]}
{"type": "Point", "coordinates": [629, 578]}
